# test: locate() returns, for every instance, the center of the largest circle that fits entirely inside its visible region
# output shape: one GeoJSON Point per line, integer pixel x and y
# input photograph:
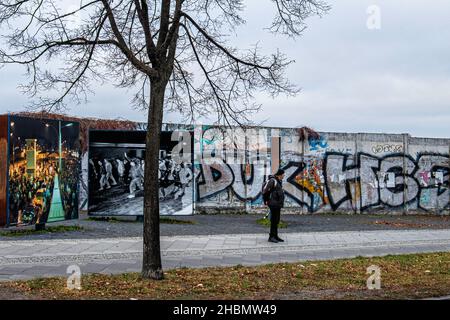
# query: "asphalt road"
{"type": "Point", "coordinates": [243, 224]}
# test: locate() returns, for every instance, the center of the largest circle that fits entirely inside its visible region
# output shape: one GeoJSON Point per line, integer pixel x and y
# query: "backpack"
{"type": "Point", "coordinates": [266, 195]}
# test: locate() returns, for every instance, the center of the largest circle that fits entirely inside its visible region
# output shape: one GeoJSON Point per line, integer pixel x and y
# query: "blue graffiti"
{"type": "Point", "coordinates": [315, 144]}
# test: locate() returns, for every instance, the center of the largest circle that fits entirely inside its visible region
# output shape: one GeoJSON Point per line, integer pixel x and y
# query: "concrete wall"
{"type": "Point", "coordinates": [339, 172]}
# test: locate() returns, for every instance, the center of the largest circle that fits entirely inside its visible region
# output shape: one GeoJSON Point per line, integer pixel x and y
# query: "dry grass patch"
{"type": "Point", "coordinates": [402, 277]}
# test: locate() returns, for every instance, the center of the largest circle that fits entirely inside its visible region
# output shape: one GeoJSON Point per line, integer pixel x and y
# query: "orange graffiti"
{"type": "Point", "coordinates": [310, 180]}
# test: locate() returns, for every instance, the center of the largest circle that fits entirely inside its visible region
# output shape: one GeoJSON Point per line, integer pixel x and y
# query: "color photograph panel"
{"type": "Point", "coordinates": [43, 170]}
{"type": "Point", "coordinates": [3, 168]}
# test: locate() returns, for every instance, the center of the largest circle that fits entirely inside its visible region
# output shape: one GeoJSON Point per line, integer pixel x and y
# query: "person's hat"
{"type": "Point", "coordinates": [279, 172]}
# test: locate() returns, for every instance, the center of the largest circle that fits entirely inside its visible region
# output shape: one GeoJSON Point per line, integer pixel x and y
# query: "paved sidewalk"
{"type": "Point", "coordinates": [26, 259]}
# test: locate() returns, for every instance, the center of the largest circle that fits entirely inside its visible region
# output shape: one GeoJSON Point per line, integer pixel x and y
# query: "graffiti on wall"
{"type": "Point", "coordinates": [217, 177]}
{"type": "Point", "coordinates": [331, 180]}
{"type": "Point", "coordinates": [317, 144]}
{"type": "Point", "coordinates": [393, 180]}
{"type": "Point", "coordinates": [387, 148]}
{"type": "Point", "coordinates": [233, 163]}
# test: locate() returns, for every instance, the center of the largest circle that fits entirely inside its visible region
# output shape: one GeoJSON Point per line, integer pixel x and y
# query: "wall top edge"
{"type": "Point", "coordinates": [412, 139]}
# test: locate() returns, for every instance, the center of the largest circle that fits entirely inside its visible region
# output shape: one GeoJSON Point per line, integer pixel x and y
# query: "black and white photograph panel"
{"type": "Point", "coordinates": [116, 175]}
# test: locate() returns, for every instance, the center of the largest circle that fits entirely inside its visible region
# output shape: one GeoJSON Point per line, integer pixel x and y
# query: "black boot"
{"type": "Point", "coordinates": [279, 239]}
{"type": "Point", "coordinates": [273, 239]}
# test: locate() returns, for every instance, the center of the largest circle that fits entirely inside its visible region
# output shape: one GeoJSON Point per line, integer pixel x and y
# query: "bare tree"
{"type": "Point", "coordinates": [174, 52]}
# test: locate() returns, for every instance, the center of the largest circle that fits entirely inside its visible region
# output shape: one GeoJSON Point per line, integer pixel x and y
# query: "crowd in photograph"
{"type": "Point", "coordinates": [128, 172]}
{"type": "Point", "coordinates": [122, 171]}
{"type": "Point", "coordinates": [69, 187]}
{"type": "Point", "coordinates": [30, 194]}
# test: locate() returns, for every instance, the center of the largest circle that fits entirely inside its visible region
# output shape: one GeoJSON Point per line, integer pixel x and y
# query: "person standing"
{"type": "Point", "coordinates": [120, 170]}
{"type": "Point", "coordinates": [136, 174]}
{"type": "Point", "coordinates": [273, 196]}
{"type": "Point", "coordinates": [109, 172]}
{"type": "Point", "coordinates": [103, 181]}
{"type": "Point", "coordinates": [185, 177]}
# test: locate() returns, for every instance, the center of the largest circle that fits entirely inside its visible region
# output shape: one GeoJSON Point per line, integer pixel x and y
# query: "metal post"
{"type": "Point", "coordinates": [356, 158]}
{"type": "Point", "coordinates": [302, 159]}
{"type": "Point", "coordinates": [405, 137]}
{"type": "Point", "coordinates": [60, 147]}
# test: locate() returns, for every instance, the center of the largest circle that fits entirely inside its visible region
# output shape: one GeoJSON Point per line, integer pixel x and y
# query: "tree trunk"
{"type": "Point", "coordinates": [151, 265]}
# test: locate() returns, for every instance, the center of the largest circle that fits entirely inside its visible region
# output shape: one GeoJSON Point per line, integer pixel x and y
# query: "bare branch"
{"type": "Point", "coordinates": [123, 46]}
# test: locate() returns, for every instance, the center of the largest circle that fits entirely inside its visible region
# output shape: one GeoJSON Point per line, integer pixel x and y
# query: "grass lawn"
{"type": "Point", "coordinates": [174, 221]}
{"type": "Point", "coordinates": [266, 223]}
{"type": "Point", "coordinates": [111, 219]}
{"type": "Point", "coordinates": [402, 277]}
{"type": "Point", "coordinates": [161, 220]}
{"type": "Point", "coordinates": [51, 229]}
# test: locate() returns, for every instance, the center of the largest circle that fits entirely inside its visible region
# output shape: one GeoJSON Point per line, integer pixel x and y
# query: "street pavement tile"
{"type": "Point", "coordinates": [201, 251]}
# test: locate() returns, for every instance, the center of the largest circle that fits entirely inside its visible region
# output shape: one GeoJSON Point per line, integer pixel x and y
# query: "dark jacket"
{"type": "Point", "coordinates": [276, 194]}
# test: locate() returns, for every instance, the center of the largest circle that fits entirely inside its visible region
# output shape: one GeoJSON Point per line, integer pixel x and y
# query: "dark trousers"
{"type": "Point", "coordinates": [274, 221]}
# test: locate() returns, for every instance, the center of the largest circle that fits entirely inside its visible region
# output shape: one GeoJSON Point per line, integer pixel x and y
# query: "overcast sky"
{"type": "Point", "coordinates": [395, 79]}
